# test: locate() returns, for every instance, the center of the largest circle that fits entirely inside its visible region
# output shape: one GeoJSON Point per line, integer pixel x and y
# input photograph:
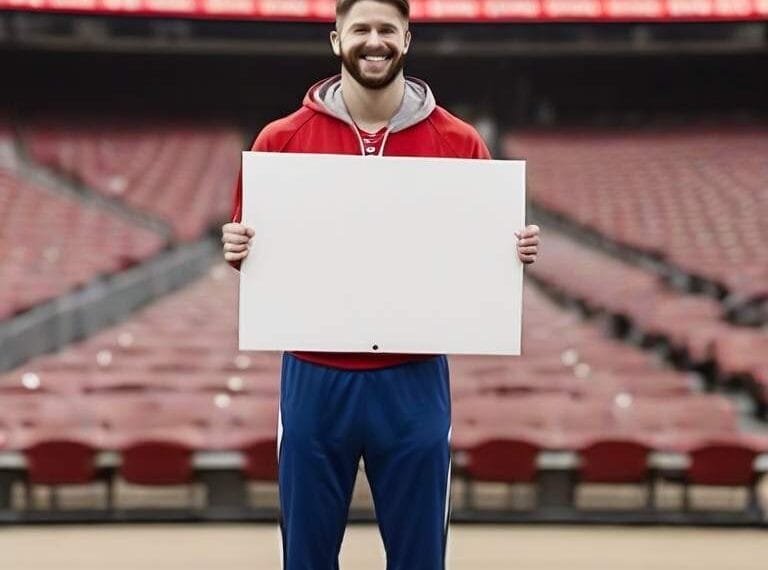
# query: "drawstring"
{"type": "Point", "coordinates": [359, 138]}
{"type": "Point", "coordinates": [384, 142]}
{"type": "Point", "coordinates": [362, 146]}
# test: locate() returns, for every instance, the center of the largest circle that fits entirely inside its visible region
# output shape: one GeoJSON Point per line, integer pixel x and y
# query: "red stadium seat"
{"type": "Point", "coordinates": [619, 462]}
{"type": "Point", "coordinates": [720, 464]}
{"type": "Point", "coordinates": [157, 463]}
{"type": "Point", "coordinates": [499, 459]}
{"type": "Point", "coordinates": [502, 460]}
{"type": "Point", "coordinates": [723, 464]}
{"type": "Point", "coordinates": [741, 351]}
{"type": "Point", "coordinates": [261, 459]}
{"type": "Point", "coordinates": [57, 462]}
{"type": "Point", "coordinates": [614, 461]}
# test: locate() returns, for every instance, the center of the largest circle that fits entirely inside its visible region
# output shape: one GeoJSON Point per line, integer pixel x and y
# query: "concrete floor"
{"type": "Point", "coordinates": [256, 547]}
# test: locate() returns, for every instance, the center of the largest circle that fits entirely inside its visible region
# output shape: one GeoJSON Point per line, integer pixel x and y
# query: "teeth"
{"type": "Point", "coordinates": [375, 57]}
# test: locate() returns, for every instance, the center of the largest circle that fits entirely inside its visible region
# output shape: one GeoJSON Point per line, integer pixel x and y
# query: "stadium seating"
{"type": "Point", "coordinates": [741, 354]}
{"type": "Point", "coordinates": [150, 377]}
{"type": "Point", "coordinates": [57, 462]}
{"type": "Point", "coordinates": [693, 325]}
{"type": "Point", "coordinates": [662, 192]}
{"type": "Point", "coordinates": [617, 461]}
{"type": "Point", "coordinates": [606, 284]}
{"type": "Point", "coordinates": [557, 423]}
{"type": "Point", "coordinates": [179, 174]}
{"type": "Point", "coordinates": [572, 384]}
{"type": "Point", "coordinates": [150, 380]}
{"type": "Point", "coordinates": [146, 462]}
{"type": "Point", "coordinates": [614, 461]}
{"type": "Point", "coordinates": [158, 462]}
{"type": "Point", "coordinates": [503, 460]}
{"type": "Point", "coordinates": [261, 459]}
{"type": "Point", "coordinates": [595, 420]}
{"type": "Point", "coordinates": [53, 243]}
{"type": "Point", "coordinates": [722, 464]}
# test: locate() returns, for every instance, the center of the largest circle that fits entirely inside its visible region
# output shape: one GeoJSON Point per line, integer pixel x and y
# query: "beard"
{"type": "Point", "coordinates": [351, 62]}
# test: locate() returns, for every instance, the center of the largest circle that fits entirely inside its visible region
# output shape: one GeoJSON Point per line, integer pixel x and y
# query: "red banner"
{"type": "Point", "coordinates": [421, 10]}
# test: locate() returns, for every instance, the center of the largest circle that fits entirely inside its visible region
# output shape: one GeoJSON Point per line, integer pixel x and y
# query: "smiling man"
{"type": "Point", "coordinates": [393, 410]}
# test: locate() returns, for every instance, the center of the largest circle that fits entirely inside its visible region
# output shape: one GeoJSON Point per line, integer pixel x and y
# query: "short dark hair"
{"type": "Point", "coordinates": [403, 6]}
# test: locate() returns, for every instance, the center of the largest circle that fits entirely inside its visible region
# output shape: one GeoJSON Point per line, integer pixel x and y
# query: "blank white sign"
{"type": "Point", "coordinates": [382, 254]}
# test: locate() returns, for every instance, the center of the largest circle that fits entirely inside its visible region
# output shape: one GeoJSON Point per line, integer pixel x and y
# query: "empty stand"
{"type": "Point", "coordinates": [182, 175]}
{"type": "Point", "coordinates": [53, 243]}
{"type": "Point", "coordinates": [693, 197]}
{"type": "Point", "coordinates": [172, 375]}
{"type": "Point", "coordinates": [692, 325]}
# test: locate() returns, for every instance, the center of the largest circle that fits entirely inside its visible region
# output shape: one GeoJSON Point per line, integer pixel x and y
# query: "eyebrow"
{"type": "Point", "coordinates": [366, 26]}
{"type": "Point", "coordinates": [378, 24]}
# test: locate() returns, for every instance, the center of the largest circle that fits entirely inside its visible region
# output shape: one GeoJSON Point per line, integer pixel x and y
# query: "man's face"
{"type": "Point", "coordinates": [372, 40]}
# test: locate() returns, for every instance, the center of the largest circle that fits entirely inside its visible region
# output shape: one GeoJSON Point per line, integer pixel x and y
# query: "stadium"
{"type": "Point", "coordinates": [634, 424]}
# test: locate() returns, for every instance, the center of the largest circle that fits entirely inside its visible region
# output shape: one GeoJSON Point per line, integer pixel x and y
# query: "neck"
{"type": "Point", "coordinates": [371, 109]}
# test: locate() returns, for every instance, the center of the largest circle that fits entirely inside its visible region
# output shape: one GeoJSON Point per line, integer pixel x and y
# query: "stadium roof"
{"type": "Point", "coordinates": [422, 10]}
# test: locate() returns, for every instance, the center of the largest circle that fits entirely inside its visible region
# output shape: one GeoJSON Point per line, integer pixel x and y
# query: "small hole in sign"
{"type": "Point", "coordinates": [375, 347]}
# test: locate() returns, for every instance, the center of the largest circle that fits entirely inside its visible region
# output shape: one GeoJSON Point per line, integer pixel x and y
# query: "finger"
{"type": "Point", "coordinates": [532, 229]}
{"type": "Point", "coordinates": [236, 247]}
{"type": "Point", "coordinates": [529, 250]}
{"type": "Point", "coordinates": [529, 241]}
{"type": "Point", "coordinates": [250, 232]}
{"type": "Point", "coordinates": [234, 256]}
{"type": "Point", "coordinates": [235, 238]}
{"type": "Point", "coordinates": [233, 228]}
{"type": "Point", "coordinates": [527, 258]}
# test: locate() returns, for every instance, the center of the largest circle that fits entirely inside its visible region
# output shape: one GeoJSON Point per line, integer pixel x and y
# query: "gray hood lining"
{"type": "Point", "coordinates": [418, 103]}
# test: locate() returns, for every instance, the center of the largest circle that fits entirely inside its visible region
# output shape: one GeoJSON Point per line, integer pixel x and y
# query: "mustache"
{"type": "Point", "coordinates": [351, 61]}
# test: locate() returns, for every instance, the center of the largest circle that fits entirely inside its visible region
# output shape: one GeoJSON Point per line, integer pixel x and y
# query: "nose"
{"type": "Point", "coordinates": [374, 39]}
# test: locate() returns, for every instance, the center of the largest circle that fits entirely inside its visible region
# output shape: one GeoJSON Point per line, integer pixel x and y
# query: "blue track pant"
{"type": "Point", "coordinates": [398, 420]}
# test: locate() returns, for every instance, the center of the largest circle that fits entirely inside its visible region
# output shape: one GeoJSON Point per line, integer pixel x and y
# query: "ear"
{"type": "Point", "coordinates": [407, 41]}
{"type": "Point", "coordinates": [335, 46]}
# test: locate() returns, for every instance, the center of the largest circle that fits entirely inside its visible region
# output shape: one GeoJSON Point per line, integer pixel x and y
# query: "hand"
{"type": "Point", "coordinates": [528, 243]}
{"type": "Point", "coordinates": [236, 238]}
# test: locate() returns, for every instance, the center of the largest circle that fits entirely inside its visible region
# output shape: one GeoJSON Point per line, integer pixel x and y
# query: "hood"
{"type": "Point", "coordinates": [418, 102]}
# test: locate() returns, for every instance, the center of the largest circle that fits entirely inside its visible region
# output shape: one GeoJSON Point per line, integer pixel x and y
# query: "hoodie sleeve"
{"type": "Point", "coordinates": [461, 139]}
{"type": "Point", "coordinates": [260, 143]}
{"type": "Point", "coordinates": [479, 148]}
{"type": "Point", "coordinates": [273, 138]}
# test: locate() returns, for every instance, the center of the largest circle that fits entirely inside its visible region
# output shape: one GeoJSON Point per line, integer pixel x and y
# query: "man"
{"type": "Point", "coordinates": [393, 410]}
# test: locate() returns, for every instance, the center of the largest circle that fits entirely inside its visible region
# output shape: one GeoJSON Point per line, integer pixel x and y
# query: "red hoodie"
{"type": "Point", "coordinates": [323, 125]}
